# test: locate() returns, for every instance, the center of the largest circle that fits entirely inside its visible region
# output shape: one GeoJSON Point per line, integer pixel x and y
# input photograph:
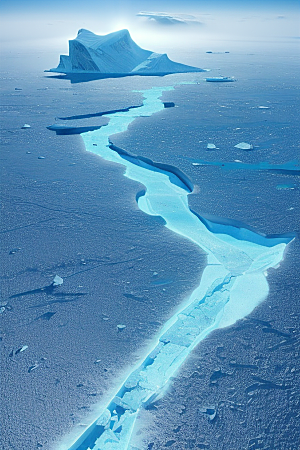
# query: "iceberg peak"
{"type": "Point", "coordinates": [83, 30]}
{"type": "Point", "coordinates": [115, 54]}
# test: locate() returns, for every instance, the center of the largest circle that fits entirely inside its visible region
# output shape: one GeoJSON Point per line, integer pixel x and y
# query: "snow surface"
{"type": "Point", "coordinates": [115, 53]}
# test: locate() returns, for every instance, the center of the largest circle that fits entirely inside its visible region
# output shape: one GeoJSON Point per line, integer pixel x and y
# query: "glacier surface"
{"type": "Point", "coordinates": [115, 53]}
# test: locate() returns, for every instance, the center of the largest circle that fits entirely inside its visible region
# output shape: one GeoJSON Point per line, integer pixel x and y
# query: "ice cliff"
{"type": "Point", "coordinates": [115, 53]}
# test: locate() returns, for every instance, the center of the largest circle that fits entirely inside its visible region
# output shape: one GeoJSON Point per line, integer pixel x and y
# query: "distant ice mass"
{"type": "Point", "coordinates": [115, 53]}
{"type": "Point", "coordinates": [169, 19]}
{"type": "Point", "coordinates": [220, 79]}
{"type": "Point", "coordinates": [25, 126]}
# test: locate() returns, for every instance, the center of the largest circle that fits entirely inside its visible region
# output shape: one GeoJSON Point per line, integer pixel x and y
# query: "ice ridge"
{"type": "Point", "coordinates": [115, 53]}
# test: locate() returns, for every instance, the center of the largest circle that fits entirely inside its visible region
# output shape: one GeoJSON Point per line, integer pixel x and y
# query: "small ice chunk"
{"type": "Point", "coordinates": [104, 418]}
{"type": "Point", "coordinates": [21, 349]}
{"type": "Point", "coordinates": [281, 187]}
{"type": "Point", "coordinates": [196, 164]}
{"type": "Point", "coordinates": [119, 402]}
{"type": "Point", "coordinates": [57, 281]}
{"type": "Point", "coordinates": [264, 107]}
{"type": "Point", "coordinates": [2, 309]}
{"type": "Point", "coordinates": [211, 146]}
{"type": "Point", "coordinates": [14, 250]}
{"type": "Point", "coordinates": [31, 368]}
{"type": "Point", "coordinates": [26, 126]}
{"type": "Point", "coordinates": [210, 411]}
{"type": "Point", "coordinates": [41, 157]}
{"type": "Point", "coordinates": [244, 146]}
{"type": "Point", "coordinates": [121, 327]}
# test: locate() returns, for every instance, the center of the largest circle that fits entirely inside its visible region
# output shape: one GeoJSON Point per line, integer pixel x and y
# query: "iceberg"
{"type": "Point", "coordinates": [115, 53]}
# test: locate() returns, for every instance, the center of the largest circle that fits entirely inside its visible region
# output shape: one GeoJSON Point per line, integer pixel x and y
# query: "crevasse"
{"type": "Point", "coordinates": [232, 284]}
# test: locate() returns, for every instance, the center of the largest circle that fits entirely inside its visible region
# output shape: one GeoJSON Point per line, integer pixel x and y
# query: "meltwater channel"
{"type": "Point", "coordinates": [232, 284]}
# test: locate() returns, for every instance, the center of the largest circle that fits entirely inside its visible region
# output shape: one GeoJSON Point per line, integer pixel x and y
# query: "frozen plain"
{"type": "Point", "coordinates": [70, 370]}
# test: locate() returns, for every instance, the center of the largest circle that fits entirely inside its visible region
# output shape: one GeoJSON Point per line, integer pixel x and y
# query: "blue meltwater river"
{"type": "Point", "coordinates": [232, 284]}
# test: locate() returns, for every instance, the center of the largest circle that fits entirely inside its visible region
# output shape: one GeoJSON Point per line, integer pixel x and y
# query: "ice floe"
{"type": "Point", "coordinates": [211, 146]}
{"type": "Point", "coordinates": [220, 79]}
{"type": "Point", "coordinates": [244, 146]}
{"type": "Point", "coordinates": [57, 281]}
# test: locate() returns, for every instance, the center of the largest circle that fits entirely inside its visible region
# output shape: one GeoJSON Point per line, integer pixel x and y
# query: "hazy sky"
{"type": "Point", "coordinates": [50, 23]}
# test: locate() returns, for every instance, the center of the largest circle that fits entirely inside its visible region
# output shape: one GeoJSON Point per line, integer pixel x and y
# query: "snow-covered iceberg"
{"type": "Point", "coordinates": [115, 53]}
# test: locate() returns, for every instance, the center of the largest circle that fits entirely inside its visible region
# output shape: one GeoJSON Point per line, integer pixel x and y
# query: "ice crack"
{"type": "Point", "coordinates": [232, 284]}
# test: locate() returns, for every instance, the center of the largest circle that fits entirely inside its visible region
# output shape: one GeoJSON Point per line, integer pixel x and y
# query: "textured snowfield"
{"type": "Point", "coordinates": [232, 285]}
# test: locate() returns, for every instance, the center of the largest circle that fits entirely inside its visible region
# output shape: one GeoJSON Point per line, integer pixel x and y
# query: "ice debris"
{"type": "Point", "coordinates": [169, 104]}
{"type": "Point", "coordinates": [210, 411]}
{"type": "Point", "coordinates": [281, 187]}
{"type": "Point", "coordinates": [26, 126]}
{"type": "Point", "coordinates": [121, 327]}
{"type": "Point", "coordinates": [244, 146]}
{"type": "Point", "coordinates": [14, 250]}
{"type": "Point", "coordinates": [57, 281]}
{"type": "Point", "coordinates": [22, 349]}
{"type": "Point", "coordinates": [211, 146]}
{"type": "Point", "coordinates": [104, 419]}
{"type": "Point", "coordinates": [33, 367]}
